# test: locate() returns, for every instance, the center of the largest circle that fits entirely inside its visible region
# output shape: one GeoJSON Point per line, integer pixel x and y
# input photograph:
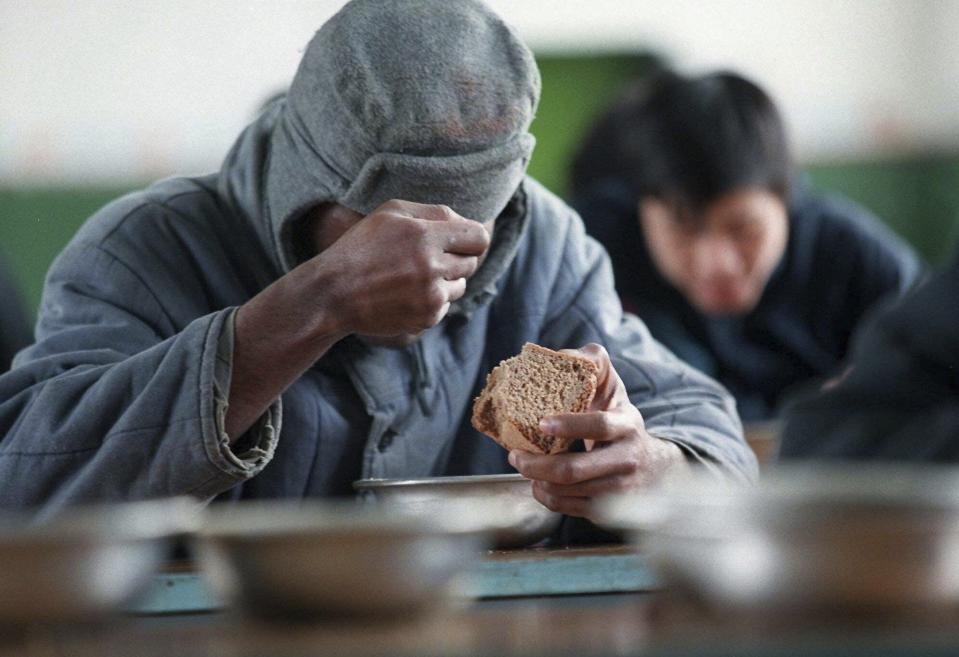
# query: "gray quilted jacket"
{"type": "Point", "coordinates": [122, 396]}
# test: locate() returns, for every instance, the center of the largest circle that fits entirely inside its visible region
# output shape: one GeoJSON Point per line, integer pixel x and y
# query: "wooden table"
{"type": "Point", "coordinates": [617, 623]}
{"type": "Point", "coordinates": [620, 625]}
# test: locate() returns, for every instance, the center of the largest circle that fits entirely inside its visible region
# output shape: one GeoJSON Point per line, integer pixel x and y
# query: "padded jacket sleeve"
{"type": "Point", "coordinates": [114, 404]}
{"type": "Point", "coordinates": [900, 399]}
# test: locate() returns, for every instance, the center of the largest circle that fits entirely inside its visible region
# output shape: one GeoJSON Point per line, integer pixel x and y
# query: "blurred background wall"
{"type": "Point", "coordinates": [103, 96]}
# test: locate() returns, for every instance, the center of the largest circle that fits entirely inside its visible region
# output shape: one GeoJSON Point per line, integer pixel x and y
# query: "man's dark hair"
{"type": "Point", "coordinates": [688, 141]}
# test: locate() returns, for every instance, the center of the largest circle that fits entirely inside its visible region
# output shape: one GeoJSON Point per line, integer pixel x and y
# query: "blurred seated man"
{"type": "Point", "coordinates": [741, 271]}
{"type": "Point", "coordinates": [14, 326]}
{"type": "Point", "coordinates": [900, 398]}
{"type": "Point", "coordinates": [326, 306]}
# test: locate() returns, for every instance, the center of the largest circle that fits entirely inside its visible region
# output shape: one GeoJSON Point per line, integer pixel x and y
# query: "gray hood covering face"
{"type": "Point", "coordinates": [423, 100]}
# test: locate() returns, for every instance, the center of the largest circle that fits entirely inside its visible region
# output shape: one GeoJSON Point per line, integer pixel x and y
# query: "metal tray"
{"type": "Point", "coordinates": [502, 503]}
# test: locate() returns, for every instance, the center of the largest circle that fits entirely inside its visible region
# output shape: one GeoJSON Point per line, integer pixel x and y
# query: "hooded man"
{"type": "Point", "coordinates": [326, 307]}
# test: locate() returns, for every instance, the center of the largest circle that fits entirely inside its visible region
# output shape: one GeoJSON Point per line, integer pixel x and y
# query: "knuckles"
{"type": "Point", "coordinates": [419, 232]}
{"type": "Point", "coordinates": [619, 485]}
{"type": "Point", "coordinates": [568, 472]}
{"type": "Point", "coordinates": [433, 299]}
{"type": "Point", "coordinates": [444, 211]}
{"type": "Point", "coordinates": [431, 308]}
{"type": "Point", "coordinates": [606, 425]}
{"type": "Point", "coordinates": [631, 465]}
{"type": "Point", "coordinates": [423, 264]}
{"type": "Point", "coordinates": [544, 498]}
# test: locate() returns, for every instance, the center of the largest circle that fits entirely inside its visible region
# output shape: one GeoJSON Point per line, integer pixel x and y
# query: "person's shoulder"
{"type": "Point", "coordinates": [553, 224]}
{"type": "Point", "coordinates": [836, 240]}
{"type": "Point", "coordinates": [833, 216]}
{"type": "Point", "coordinates": [556, 246]}
{"type": "Point", "coordinates": [137, 214]}
{"type": "Point", "coordinates": [144, 227]}
{"type": "Point", "coordinates": [829, 222]}
{"type": "Point", "coordinates": [546, 207]}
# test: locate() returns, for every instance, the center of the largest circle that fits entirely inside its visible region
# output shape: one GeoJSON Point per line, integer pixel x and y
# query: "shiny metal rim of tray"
{"type": "Point", "coordinates": [463, 480]}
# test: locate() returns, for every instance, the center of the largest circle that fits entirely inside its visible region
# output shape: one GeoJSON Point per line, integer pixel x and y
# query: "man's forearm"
{"type": "Point", "coordinates": [280, 333]}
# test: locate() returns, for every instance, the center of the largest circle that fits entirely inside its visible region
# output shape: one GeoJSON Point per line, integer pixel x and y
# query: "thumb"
{"type": "Point", "coordinates": [610, 390]}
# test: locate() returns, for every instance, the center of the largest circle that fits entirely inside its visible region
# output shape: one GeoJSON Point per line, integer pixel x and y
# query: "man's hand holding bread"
{"type": "Point", "coordinates": [620, 454]}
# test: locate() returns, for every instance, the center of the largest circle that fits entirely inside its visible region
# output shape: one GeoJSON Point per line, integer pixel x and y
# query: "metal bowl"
{"type": "Point", "coordinates": [83, 564]}
{"type": "Point", "coordinates": [807, 539]}
{"type": "Point", "coordinates": [503, 504]}
{"type": "Point", "coordinates": [303, 560]}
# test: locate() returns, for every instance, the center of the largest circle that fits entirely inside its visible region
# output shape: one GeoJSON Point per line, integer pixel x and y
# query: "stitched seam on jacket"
{"type": "Point", "coordinates": [145, 203]}
{"type": "Point", "coordinates": [134, 274]}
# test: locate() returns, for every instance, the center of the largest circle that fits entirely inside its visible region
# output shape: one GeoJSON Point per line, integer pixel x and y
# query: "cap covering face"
{"type": "Point", "coordinates": [423, 100]}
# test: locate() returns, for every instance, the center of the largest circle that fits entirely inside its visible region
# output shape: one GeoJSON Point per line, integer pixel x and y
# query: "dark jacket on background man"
{"type": "Point", "coordinates": [15, 331]}
{"type": "Point", "coordinates": [123, 395]}
{"type": "Point", "coordinates": [839, 261]}
{"type": "Point", "coordinates": [900, 400]}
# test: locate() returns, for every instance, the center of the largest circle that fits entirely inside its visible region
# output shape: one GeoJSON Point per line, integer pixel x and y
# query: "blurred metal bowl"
{"type": "Point", "coordinates": [84, 563]}
{"type": "Point", "coordinates": [303, 560]}
{"type": "Point", "coordinates": [517, 519]}
{"type": "Point", "coordinates": [807, 539]}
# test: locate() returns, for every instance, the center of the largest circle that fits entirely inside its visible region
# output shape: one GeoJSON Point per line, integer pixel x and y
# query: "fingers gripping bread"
{"type": "Point", "coordinates": [521, 390]}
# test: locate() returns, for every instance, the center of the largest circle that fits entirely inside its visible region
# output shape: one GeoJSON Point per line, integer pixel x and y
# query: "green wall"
{"type": "Point", "coordinates": [35, 224]}
{"type": "Point", "coordinates": [575, 90]}
{"type": "Point", "coordinates": [917, 196]}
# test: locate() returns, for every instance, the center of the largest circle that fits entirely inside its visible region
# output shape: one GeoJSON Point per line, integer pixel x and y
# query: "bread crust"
{"type": "Point", "coordinates": [493, 410]}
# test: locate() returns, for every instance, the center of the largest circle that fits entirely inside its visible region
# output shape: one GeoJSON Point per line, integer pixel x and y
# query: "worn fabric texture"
{"type": "Point", "coordinates": [433, 109]}
{"type": "Point", "coordinates": [122, 395]}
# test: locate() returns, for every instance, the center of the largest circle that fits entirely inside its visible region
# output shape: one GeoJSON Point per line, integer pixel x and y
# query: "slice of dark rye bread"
{"type": "Point", "coordinates": [524, 389]}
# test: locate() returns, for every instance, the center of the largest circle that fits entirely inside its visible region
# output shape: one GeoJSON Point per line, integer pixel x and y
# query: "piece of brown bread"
{"type": "Point", "coordinates": [524, 389]}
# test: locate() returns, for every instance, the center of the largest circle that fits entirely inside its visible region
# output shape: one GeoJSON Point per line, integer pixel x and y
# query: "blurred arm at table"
{"type": "Point", "coordinates": [899, 401]}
